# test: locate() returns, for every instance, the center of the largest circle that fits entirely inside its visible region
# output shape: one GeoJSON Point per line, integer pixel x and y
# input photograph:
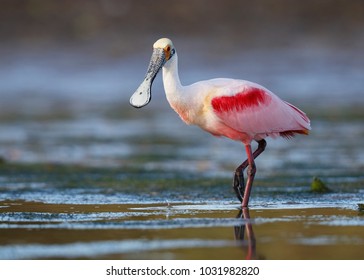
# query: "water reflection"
{"type": "Point", "coordinates": [246, 230]}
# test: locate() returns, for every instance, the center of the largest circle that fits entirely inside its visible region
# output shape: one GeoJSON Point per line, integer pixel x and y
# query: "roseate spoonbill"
{"type": "Point", "coordinates": [237, 109]}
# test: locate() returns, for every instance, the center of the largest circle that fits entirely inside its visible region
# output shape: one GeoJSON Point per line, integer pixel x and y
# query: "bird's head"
{"type": "Point", "coordinates": [163, 50]}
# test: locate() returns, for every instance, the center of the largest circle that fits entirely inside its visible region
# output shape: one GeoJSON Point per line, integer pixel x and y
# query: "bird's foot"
{"type": "Point", "coordinates": [238, 185]}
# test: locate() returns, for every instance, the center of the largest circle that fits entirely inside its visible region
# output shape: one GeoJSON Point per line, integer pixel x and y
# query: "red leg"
{"type": "Point", "coordinates": [251, 173]}
{"type": "Point", "coordinates": [238, 183]}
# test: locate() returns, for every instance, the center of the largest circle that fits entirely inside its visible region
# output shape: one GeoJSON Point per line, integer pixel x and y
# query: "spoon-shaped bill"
{"type": "Point", "coordinates": [143, 94]}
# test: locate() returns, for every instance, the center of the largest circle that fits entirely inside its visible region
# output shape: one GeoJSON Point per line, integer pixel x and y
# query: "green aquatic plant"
{"type": "Point", "coordinates": [318, 186]}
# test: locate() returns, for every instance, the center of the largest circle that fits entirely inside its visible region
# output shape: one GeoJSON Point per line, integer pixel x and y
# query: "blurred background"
{"type": "Point", "coordinates": [81, 60]}
{"type": "Point", "coordinates": [119, 26]}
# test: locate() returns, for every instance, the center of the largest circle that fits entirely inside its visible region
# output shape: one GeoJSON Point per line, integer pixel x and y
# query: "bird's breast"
{"type": "Point", "coordinates": [193, 105]}
{"type": "Point", "coordinates": [183, 111]}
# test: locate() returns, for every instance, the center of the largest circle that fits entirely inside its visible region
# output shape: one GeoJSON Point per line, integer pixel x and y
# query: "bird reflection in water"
{"type": "Point", "coordinates": [244, 233]}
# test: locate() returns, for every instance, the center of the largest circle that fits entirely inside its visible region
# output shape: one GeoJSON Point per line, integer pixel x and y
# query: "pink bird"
{"type": "Point", "coordinates": [237, 109]}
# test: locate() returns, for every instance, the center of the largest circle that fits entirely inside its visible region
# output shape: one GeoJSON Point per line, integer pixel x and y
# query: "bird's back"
{"type": "Point", "coordinates": [249, 108]}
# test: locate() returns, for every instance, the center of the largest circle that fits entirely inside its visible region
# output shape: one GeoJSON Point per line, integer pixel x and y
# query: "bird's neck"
{"type": "Point", "coordinates": [177, 95]}
{"type": "Point", "coordinates": [171, 82]}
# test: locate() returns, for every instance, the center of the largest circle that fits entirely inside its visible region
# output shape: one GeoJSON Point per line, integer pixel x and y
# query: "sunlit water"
{"type": "Point", "coordinates": [140, 184]}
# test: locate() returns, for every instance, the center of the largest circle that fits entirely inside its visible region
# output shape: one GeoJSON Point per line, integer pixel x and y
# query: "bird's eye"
{"type": "Point", "coordinates": [168, 48]}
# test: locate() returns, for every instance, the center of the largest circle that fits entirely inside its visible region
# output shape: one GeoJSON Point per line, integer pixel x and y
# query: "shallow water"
{"type": "Point", "coordinates": [34, 230]}
{"type": "Point", "coordinates": [85, 176]}
{"type": "Point", "coordinates": [156, 201]}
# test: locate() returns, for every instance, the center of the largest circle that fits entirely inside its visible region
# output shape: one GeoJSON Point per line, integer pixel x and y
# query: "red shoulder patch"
{"type": "Point", "coordinates": [249, 98]}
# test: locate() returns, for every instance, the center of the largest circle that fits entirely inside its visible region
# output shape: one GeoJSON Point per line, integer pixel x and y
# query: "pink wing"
{"type": "Point", "coordinates": [260, 113]}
